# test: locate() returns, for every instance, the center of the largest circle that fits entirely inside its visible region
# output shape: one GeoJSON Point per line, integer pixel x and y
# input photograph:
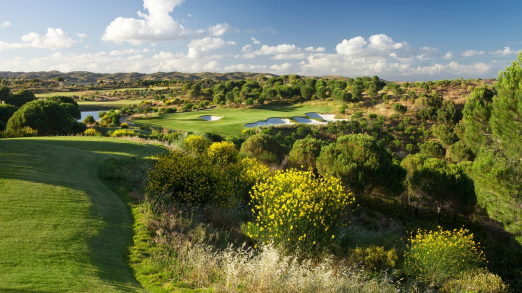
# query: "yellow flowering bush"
{"type": "Point", "coordinates": [90, 132]}
{"type": "Point", "coordinates": [124, 125]}
{"type": "Point", "coordinates": [435, 256]}
{"type": "Point", "coordinates": [243, 175]}
{"type": "Point", "coordinates": [223, 153]}
{"type": "Point", "coordinates": [192, 180]}
{"type": "Point", "coordinates": [123, 132]}
{"type": "Point", "coordinates": [28, 131]}
{"type": "Point", "coordinates": [298, 211]}
{"type": "Point", "coordinates": [196, 144]}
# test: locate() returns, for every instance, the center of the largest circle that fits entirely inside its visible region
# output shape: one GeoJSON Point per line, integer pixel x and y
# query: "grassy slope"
{"type": "Point", "coordinates": [94, 106]}
{"type": "Point", "coordinates": [61, 228]}
{"type": "Point", "coordinates": [233, 120]}
{"type": "Point", "coordinates": [90, 92]}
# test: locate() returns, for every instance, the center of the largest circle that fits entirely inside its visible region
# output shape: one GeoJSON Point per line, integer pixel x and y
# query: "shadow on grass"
{"type": "Point", "coordinates": [74, 164]}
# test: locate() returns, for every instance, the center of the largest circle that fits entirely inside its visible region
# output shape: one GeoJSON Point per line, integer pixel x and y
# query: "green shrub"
{"type": "Point", "coordinates": [21, 98]}
{"type": "Point", "coordinates": [475, 281]}
{"type": "Point", "coordinates": [397, 143]}
{"type": "Point", "coordinates": [6, 111]}
{"type": "Point", "coordinates": [446, 135]}
{"type": "Point", "coordinates": [124, 125]}
{"type": "Point", "coordinates": [299, 211]}
{"type": "Point", "coordinates": [433, 149]}
{"type": "Point", "coordinates": [357, 114]}
{"type": "Point", "coordinates": [461, 152]}
{"type": "Point", "coordinates": [301, 130]}
{"type": "Point", "coordinates": [89, 120]}
{"type": "Point", "coordinates": [372, 116]}
{"type": "Point", "coordinates": [399, 108]}
{"type": "Point", "coordinates": [409, 147]}
{"type": "Point", "coordinates": [263, 147]}
{"type": "Point", "coordinates": [304, 153]}
{"type": "Point", "coordinates": [435, 256]}
{"type": "Point", "coordinates": [187, 179]}
{"type": "Point", "coordinates": [375, 258]}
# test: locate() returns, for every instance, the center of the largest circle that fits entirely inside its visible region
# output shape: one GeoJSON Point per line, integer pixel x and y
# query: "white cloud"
{"type": "Point", "coordinates": [448, 56]}
{"type": "Point", "coordinates": [312, 50]}
{"type": "Point", "coordinates": [281, 68]}
{"type": "Point", "coordinates": [54, 39]}
{"type": "Point", "coordinates": [288, 56]}
{"type": "Point", "coordinates": [221, 29]}
{"type": "Point", "coordinates": [506, 52]}
{"type": "Point", "coordinates": [136, 57]}
{"type": "Point", "coordinates": [244, 68]}
{"type": "Point", "coordinates": [256, 42]}
{"type": "Point", "coordinates": [82, 37]}
{"type": "Point", "coordinates": [189, 15]}
{"type": "Point", "coordinates": [471, 53]}
{"type": "Point", "coordinates": [167, 55]}
{"type": "Point", "coordinates": [127, 52]}
{"type": "Point", "coordinates": [246, 49]}
{"type": "Point", "coordinates": [158, 25]}
{"type": "Point", "coordinates": [351, 47]}
{"type": "Point", "coordinates": [200, 48]}
{"type": "Point", "coordinates": [211, 66]}
{"type": "Point", "coordinates": [5, 24]}
{"type": "Point", "coordinates": [281, 49]}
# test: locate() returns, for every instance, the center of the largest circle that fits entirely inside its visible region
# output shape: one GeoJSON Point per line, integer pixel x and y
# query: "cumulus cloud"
{"type": "Point", "coordinates": [200, 47]}
{"type": "Point", "coordinates": [128, 52]}
{"type": "Point", "coordinates": [155, 26]}
{"type": "Point", "coordinates": [382, 46]}
{"type": "Point", "coordinates": [471, 53]}
{"type": "Point", "coordinates": [448, 56]}
{"type": "Point", "coordinates": [54, 39]}
{"type": "Point", "coordinates": [221, 29]}
{"type": "Point", "coordinates": [82, 37]}
{"type": "Point", "coordinates": [311, 49]}
{"type": "Point", "coordinates": [211, 66]}
{"type": "Point", "coordinates": [256, 42]}
{"type": "Point", "coordinates": [5, 24]}
{"type": "Point", "coordinates": [506, 52]}
{"type": "Point", "coordinates": [281, 68]}
{"type": "Point", "coordinates": [245, 68]}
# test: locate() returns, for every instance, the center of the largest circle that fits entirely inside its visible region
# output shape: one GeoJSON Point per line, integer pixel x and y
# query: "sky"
{"type": "Point", "coordinates": [397, 40]}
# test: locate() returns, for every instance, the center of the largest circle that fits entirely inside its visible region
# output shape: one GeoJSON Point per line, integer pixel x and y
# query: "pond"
{"type": "Point", "coordinates": [87, 113]}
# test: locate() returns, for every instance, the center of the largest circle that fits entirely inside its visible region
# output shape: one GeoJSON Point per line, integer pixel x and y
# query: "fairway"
{"type": "Point", "coordinates": [61, 228]}
{"type": "Point", "coordinates": [94, 106]}
{"type": "Point", "coordinates": [233, 121]}
{"type": "Point", "coordinates": [90, 92]}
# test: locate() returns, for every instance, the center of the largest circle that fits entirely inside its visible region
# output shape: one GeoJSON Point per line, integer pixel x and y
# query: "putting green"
{"type": "Point", "coordinates": [233, 120]}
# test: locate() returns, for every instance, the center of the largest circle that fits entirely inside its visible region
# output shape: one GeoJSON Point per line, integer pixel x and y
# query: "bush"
{"type": "Point", "coordinates": [3, 126]}
{"type": "Point", "coordinates": [124, 125]}
{"type": "Point", "coordinates": [6, 111]}
{"type": "Point", "coordinates": [46, 117]}
{"type": "Point", "coordinates": [433, 149]}
{"type": "Point", "coordinates": [304, 153]}
{"type": "Point", "coordinates": [90, 132]}
{"type": "Point", "coordinates": [446, 135]}
{"type": "Point", "coordinates": [243, 175]}
{"type": "Point", "coordinates": [89, 120]}
{"type": "Point", "coordinates": [187, 179]}
{"type": "Point", "coordinates": [399, 108]}
{"type": "Point", "coordinates": [222, 153]}
{"type": "Point", "coordinates": [409, 147]}
{"type": "Point", "coordinates": [461, 152]}
{"type": "Point", "coordinates": [435, 256]}
{"type": "Point", "coordinates": [123, 132]}
{"type": "Point", "coordinates": [187, 107]}
{"type": "Point", "coordinates": [298, 211]}
{"type": "Point", "coordinates": [357, 114]}
{"type": "Point", "coordinates": [69, 104]}
{"type": "Point", "coordinates": [362, 163]}
{"type": "Point", "coordinates": [475, 281]}
{"type": "Point", "coordinates": [263, 147]}
{"type": "Point", "coordinates": [196, 144]}
{"type": "Point", "coordinates": [375, 258]}
{"type": "Point", "coordinates": [301, 130]}
{"type": "Point", "coordinates": [21, 98]}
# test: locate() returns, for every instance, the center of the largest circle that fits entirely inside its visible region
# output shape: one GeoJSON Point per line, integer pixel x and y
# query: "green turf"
{"type": "Point", "coordinates": [62, 229]}
{"type": "Point", "coordinates": [93, 106]}
{"type": "Point", "coordinates": [90, 92]}
{"type": "Point", "coordinates": [233, 121]}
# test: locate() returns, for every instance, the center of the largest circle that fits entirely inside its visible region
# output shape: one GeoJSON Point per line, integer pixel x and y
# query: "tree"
{"type": "Point", "coordinates": [69, 104]}
{"type": "Point", "coordinates": [461, 152]}
{"type": "Point", "coordinates": [445, 185]}
{"type": "Point", "coordinates": [362, 163]}
{"type": "Point", "coordinates": [493, 131]}
{"type": "Point", "coordinates": [20, 98]}
{"type": "Point", "coordinates": [6, 111]}
{"type": "Point", "coordinates": [356, 92]}
{"type": "Point", "coordinates": [89, 120]}
{"type": "Point", "coordinates": [47, 117]}
{"type": "Point", "coordinates": [321, 92]}
{"type": "Point", "coordinates": [263, 147]}
{"type": "Point", "coordinates": [446, 135]}
{"type": "Point", "coordinates": [4, 94]}
{"type": "Point", "coordinates": [307, 92]}
{"type": "Point", "coordinates": [432, 148]}
{"type": "Point", "coordinates": [304, 154]}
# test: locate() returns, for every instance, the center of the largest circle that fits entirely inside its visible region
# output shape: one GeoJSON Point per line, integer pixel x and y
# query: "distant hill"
{"type": "Point", "coordinates": [85, 76]}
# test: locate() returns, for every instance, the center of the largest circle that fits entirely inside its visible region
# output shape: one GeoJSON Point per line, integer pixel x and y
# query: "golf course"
{"type": "Point", "coordinates": [63, 228]}
{"type": "Point", "coordinates": [232, 120]}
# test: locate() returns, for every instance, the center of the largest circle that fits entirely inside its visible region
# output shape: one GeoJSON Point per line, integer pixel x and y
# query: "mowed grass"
{"type": "Point", "coordinates": [93, 106]}
{"type": "Point", "coordinates": [62, 229]}
{"type": "Point", "coordinates": [233, 120]}
{"type": "Point", "coordinates": [90, 92]}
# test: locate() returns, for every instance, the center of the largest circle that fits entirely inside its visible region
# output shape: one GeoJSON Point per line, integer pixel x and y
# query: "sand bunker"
{"type": "Point", "coordinates": [309, 121]}
{"type": "Point", "coordinates": [270, 121]}
{"type": "Point", "coordinates": [325, 117]}
{"type": "Point", "coordinates": [210, 118]}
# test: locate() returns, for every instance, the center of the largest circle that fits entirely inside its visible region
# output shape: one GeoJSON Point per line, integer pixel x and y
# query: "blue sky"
{"type": "Point", "coordinates": [396, 40]}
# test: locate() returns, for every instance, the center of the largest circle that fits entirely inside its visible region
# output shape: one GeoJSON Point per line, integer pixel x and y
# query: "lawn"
{"type": "Point", "coordinates": [62, 229]}
{"type": "Point", "coordinates": [233, 121]}
{"type": "Point", "coordinates": [94, 106]}
{"type": "Point", "coordinates": [90, 92]}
